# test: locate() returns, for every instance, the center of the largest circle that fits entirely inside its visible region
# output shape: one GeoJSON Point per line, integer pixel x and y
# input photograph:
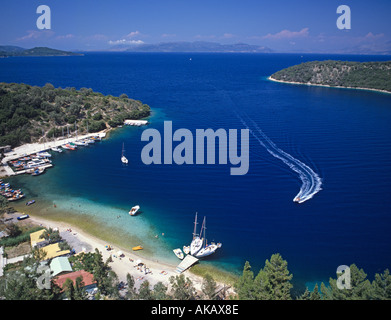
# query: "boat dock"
{"type": "Point", "coordinates": [186, 263]}
{"type": "Point", "coordinates": [136, 122]}
{"type": "Point", "coordinates": [45, 166]}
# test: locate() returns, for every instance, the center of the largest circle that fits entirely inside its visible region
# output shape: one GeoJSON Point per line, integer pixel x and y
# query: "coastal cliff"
{"type": "Point", "coordinates": [347, 74]}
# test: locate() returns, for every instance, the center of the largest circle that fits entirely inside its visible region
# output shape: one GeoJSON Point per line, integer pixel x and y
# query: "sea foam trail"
{"type": "Point", "coordinates": [311, 181]}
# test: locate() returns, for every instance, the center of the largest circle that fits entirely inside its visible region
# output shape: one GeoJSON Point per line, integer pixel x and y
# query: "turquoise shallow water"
{"type": "Point", "coordinates": [342, 135]}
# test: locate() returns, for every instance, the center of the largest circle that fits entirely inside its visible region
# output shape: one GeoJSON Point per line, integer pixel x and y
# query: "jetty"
{"type": "Point", "coordinates": [186, 263]}
{"type": "Point", "coordinates": [135, 122]}
{"type": "Point", "coordinates": [28, 149]}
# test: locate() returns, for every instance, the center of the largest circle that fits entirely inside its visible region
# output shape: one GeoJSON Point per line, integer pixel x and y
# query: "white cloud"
{"type": "Point", "coordinates": [35, 34]}
{"type": "Point", "coordinates": [126, 42]}
{"type": "Point", "coordinates": [133, 34]}
{"type": "Point", "coordinates": [287, 34]}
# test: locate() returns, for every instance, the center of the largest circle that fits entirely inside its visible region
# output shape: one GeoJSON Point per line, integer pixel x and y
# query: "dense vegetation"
{"type": "Point", "coordinates": [273, 282]}
{"type": "Point", "coordinates": [370, 75]}
{"type": "Point", "coordinates": [32, 113]}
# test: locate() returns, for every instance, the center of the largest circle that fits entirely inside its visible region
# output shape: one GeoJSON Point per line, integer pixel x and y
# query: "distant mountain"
{"type": "Point", "coordinates": [13, 51]}
{"type": "Point", "coordinates": [197, 46]}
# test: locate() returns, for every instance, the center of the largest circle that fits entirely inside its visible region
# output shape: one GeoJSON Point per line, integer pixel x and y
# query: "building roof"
{"type": "Point", "coordinates": [59, 265]}
{"type": "Point", "coordinates": [88, 278]}
{"type": "Point", "coordinates": [53, 251]}
{"type": "Point", "coordinates": [35, 237]}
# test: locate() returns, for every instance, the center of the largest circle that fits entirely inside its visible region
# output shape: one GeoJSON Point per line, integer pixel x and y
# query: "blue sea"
{"type": "Point", "coordinates": [342, 137]}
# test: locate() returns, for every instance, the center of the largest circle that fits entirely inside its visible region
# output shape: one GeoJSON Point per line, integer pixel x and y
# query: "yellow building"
{"type": "Point", "coordinates": [35, 238]}
{"type": "Point", "coordinates": [53, 250]}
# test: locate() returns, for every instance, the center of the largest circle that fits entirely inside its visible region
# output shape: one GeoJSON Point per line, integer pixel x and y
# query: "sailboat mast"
{"type": "Point", "coordinates": [203, 228]}
{"type": "Point", "coordinates": [195, 226]}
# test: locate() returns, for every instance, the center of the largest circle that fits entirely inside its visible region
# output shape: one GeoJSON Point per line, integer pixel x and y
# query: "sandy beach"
{"type": "Point", "coordinates": [82, 241]}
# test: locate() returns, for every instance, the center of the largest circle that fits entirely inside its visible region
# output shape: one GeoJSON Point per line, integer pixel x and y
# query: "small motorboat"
{"type": "Point", "coordinates": [186, 249]}
{"type": "Point", "coordinates": [38, 171]}
{"type": "Point", "coordinates": [123, 158]}
{"type": "Point", "coordinates": [178, 252]}
{"type": "Point", "coordinates": [56, 149]}
{"type": "Point", "coordinates": [134, 210]}
{"type": "Point", "coordinates": [25, 216]}
{"type": "Point", "coordinates": [68, 147]}
{"type": "Point", "coordinates": [28, 203]}
{"type": "Point", "coordinates": [137, 248]}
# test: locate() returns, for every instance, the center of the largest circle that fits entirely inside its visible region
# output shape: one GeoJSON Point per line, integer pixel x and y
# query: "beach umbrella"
{"type": "Point", "coordinates": [138, 261]}
{"type": "Point", "coordinates": [119, 253]}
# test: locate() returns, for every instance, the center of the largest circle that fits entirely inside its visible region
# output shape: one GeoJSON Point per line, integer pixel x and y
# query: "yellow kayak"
{"type": "Point", "coordinates": [137, 248]}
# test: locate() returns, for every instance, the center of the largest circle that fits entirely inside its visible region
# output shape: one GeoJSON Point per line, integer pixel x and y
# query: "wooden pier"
{"type": "Point", "coordinates": [186, 263]}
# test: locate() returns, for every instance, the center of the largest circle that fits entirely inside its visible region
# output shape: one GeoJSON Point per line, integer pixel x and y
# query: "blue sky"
{"type": "Point", "coordinates": [282, 25]}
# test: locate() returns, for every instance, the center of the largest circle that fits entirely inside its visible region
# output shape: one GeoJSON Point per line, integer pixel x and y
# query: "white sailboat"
{"type": "Point", "coordinates": [207, 249]}
{"type": "Point", "coordinates": [123, 158]}
{"type": "Point", "coordinates": [197, 242]}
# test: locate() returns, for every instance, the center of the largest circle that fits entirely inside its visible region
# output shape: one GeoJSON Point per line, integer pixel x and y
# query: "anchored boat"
{"type": "Point", "coordinates": [123, 158]}
{"type": "Point", "coordinates": [178, 252]}
{"type": "Point", "coordinates": [134, 210]}
{"type": "Point", "coordinates": [196, 243]}
{"type": "Point", "coordinates": [199, 247]}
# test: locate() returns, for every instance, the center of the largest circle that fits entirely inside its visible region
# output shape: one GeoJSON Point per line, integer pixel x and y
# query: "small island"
{"type": "Point", "coordinates": [14, 51]}
{"type": "Point", "coordinates": [33, 114]}
{"type": "Point", "coordinates": [341, 74]}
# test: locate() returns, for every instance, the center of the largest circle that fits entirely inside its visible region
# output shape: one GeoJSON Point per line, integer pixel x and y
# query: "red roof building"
{"type": "Point", "coordinates": [88, 279]}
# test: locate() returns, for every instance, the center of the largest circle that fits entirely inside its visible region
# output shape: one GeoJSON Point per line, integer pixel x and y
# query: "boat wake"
{"type": "Point", "coordinates": [311, 182]}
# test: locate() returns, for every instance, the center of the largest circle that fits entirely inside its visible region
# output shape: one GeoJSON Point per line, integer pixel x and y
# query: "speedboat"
{"type": "Point", "coordinates": [56, 149]}
{"type": "Point", "coordinates": [134, 210]}
{"type": "Point", "coordinates": [43, 154]}
{"type": "Point", "coordinates": [35, 163]}
{"type": "Point", "coordinates": [38, 171]}
{"type": "Point", "coordinates": [298, 200]}
{"type": "Point", "coordinates": [81, 143]}
{"type": "Point", "coordinates": [123, 158]}
{"type": "Point", "coordinates": [178, 252]}
{"type": "Point", "coordinates": [28, 203]}
{"type": "Point", "coordinates": [68, 147]}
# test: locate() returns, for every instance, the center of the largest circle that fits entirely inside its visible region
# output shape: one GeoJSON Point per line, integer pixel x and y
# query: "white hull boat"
{"type": "Point", "coordinates": [178, 252]}
{"type": "Point", "coordinates": [56, 149]}
{"type": "Point", "coordinates": [123, 158]}
{"type": "Point", "coordinates": [134, 210]}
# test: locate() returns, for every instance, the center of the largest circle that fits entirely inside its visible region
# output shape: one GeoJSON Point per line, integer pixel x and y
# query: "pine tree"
{"type": "Point", "coordinates": [209, 287]}
{"type": "Point", "coordinates": [245, 284]}
{"type": "Point", "coordinates": [361, 288]}
{"type": "Point", "coordinates": [382, 286]}
{"type": "Point", "coordinates": [275, 279]}
{"type": "Point", "coordinates": [145, 292]}
{"type": "Point", "coordinates": [131, 293]}
{"type": "Point", "coordinates": [315, 295]}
